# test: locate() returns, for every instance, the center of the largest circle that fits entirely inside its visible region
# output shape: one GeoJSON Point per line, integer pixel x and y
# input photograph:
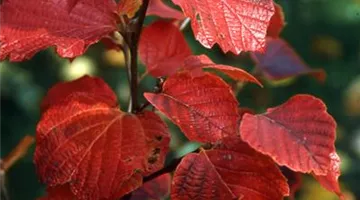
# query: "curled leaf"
{"type": "Point", "coordinates": [277, 22]}
{"type": "Point", "coordinates": [194, 63]}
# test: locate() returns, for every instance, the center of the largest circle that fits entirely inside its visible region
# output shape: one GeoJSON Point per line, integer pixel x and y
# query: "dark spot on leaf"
{"type": "Point", "coordinates": [158, 138]}
{"type": "Point", "coordinates": [154, 156]}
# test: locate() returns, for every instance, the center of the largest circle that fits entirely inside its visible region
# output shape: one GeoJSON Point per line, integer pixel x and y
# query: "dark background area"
{"type": "Point", "coordinates": [325, 33]}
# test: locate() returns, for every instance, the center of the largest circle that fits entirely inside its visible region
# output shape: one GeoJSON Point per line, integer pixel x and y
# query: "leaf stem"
{"type": "Point", "coordinates": [133, 33]}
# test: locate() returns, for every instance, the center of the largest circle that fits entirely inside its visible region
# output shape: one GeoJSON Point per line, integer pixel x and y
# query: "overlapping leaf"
{"type": "Point", "coordinates": [159, 8]}
{"type": "Point", "coordinates": [236, 25]}
{"type": "Point", "coordinates": [299, 134]}
{"type": "Point", "coordinates": [203, 107]}
{"type": "Point", "coordinates": [129, 7]}
{"type": "Point", "coordinates": [30, 26]}
{"type": "Point", "coordinates": [163, 48]}
{"type": "Point", "coordinates": [330, 180]}
{"type": "Point", "coordinates": [280, 61]}
{"type": "Point", "coordinates": [85, 141]}
{"type": "Point", "coordinates": [232, 171]}
{"type": "Point", "coordinates": [194, 63]}
{"type": "Point", "coordinates": [277, 22]}
{"type": "Point", "coordinates": [156, 189]}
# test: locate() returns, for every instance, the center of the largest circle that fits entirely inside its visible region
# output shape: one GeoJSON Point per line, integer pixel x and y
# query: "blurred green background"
{"type": "Point", "coordinates": [325, 33]}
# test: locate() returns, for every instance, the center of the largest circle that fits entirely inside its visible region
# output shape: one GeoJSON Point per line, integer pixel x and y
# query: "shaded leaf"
{"type": "Point", "coordinates": [30, 26]}
{"type": "Point", "coordinates": [330, 180]}
{"type": "Point", "coordinates": [294, 180]}
{"type": "Point", "coordinates": [85, 141]}
{"type": "Point", "coordinates": [299, 134]}
{"type": "Point", "coordinates": [232, 171]}
{"type": "Point", "coordinates": [156, 189]}
{"type": "Point", "coordinates": [277, 22]}
{"type": "Point", "coordinates": [129, 7]}
{"type": "Point", "coordinates": [236, 25]}
{"type": "Point", "coordinates": [193, 63]}
{"type": "Point", "coordinates": [159, 8]}
{"type": "Point", "coordinates": [59, 193]}
{"type": "Point", "coordinates": [203, 107]}
{"type": "Point", "coordinates": [280, 61]}
{"type": "Point", "coordinates": [165, 57]}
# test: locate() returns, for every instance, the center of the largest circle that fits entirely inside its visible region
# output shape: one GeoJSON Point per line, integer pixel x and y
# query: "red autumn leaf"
{"type": "Point", "coordinates": [294, 180]}
{"type": "Point", "coordinates": [85, 141]}
{"type": "Point", "coordinates": [203, 107]}
{"type": "Point", "coordinates": [157, 139]}
{"type": "Point", "coordinates": [129, 7]}
{"type": "Point", "coordinates": [159, 8]}
{"type": "Point", "coordinates": [59, 193]}
{"type": "Point", "coordinates": [277, 22]}
{"type": "Point", "coordinates": [236, 25]}
{"type": "Point", "coordinates": [233, 171]}
{"type": "Point", "coordinates": [156, 189]}
{"type": "Point", "coordinates": [30, 26]}
{"type": "Point", "coordinates": [193, 63]}
{"type": "Point", "coordinates": [165, 57]}
{"type": "Point", "coordinates": [330, 180]}
{"type": "Point", "coordinates": [85, 85]}
{"type": "Point", "coordinates": [280, 61]}
{"type": "Point", "coordinates": [299, 134]}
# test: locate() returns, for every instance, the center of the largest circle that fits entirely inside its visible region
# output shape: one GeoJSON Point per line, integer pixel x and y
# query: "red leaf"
{"type": "Point", "coordinates": [236, 25]}
{"type": "Point", "coordinates": [71, 4]}
{"type": "Point", "coordinates": [330, 180]}
{"type": "Point", "coordinates": [157, 139]}
{"type": "Point", "coordinates": [84, 140]}
{"type": "Point", "coordinates": [85, 85]}
{"type": "Point", "coordinates": [194, 63]}
{"type": "Point", "coordinates": [277, 22]}
{"type": "Point", "coordinates": [299, 134]}
{"type": "Point", "coordinates": [157, 7]}
{"type": "Point", "coordinates": [203, 107]}
{"type": "Point", "coordinates": [165, 57]}
{"type": "Point", "coordinates": [232, 172]}
{"type": "Point", "coordinates": [59, 193]}
{"type": "Point", "coordinates": [129, 7]}
{"type": "Point", "coordinates": [30, 26]}
{"type": "Point", "coordinates": [280, 61]}
{"type": "Point", "coordinates": [156, 189]}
